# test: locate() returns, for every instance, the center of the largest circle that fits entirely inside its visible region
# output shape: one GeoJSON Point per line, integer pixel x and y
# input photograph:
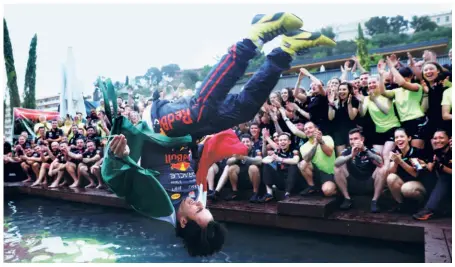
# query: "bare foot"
{"type": "Point", "coordinates": [35, 184]}
{"type": "Point", "coordinates": [74, 185]}
{"type": "Point", "coordinates": [53, 186]}
{"type": "Point", "coordinates": [44, 183]}
{"type": "Point", "coordinates": [101, 186]}
{"type": "Point", "coordinates": [62, 184]}
{"type": "Point", "coordinates": [28, 180]}
{"type": "Point", "coordinates": [91, 185]}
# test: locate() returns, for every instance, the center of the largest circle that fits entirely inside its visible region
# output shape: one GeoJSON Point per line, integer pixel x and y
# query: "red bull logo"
{"type": "Point", "coordinates": [181, 166]}
{"type": "Point", "coordinates": [183, 115]}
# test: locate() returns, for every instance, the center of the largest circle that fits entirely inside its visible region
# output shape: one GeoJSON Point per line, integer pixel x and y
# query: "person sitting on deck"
{"type": "Point", "coordinates": [280, 168]}
{"type": "Point", "coordinates": [31, 160]}
{"type": "Point", "coordinates": [406, 174]}
{"type": "Point", "coordinates": [245, 169]}
{"type": "Point", "coordinates": [47, 157]}
{"type": "Point", "coordinates": [441, 167]}
{"type": "Point", "coordinates": [89, 158]}
{"type": "Point", "coordinates": [74, 159]}
{"type": "Point", "coordinates": [357, 169]}
{"type": "Point", "coordinates": [58, 166]}
{"type": "Point", "coordinates": [54, 134]}
{"type": "Point", "coordinates": [318, 159]}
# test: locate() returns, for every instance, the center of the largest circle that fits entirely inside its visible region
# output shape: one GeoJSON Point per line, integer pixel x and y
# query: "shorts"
{"type": "Point", "coordinates": [382, 138]}
{"type": "Point", "coordinates": [320, 177]}
{"type": "Point", "coordinates": [416, 127]}
{"type": "Point", "coordinates": [361, 186]}
{"type": "Point", "coordinates": [244, 181]}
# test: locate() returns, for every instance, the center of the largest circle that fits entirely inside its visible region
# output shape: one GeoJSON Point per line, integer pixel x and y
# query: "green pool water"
{"type": "Point", "coordinates": [47, 230]}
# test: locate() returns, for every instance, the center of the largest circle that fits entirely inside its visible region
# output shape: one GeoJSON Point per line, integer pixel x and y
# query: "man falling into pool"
{"type": "Point", "coordinates": [211, 110]}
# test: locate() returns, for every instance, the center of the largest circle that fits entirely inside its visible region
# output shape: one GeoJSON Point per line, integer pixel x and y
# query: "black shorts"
{"type": "Point", "coordinates": [360, 185]}
{"type": "Point", "coordinates": [382, 138]}
{"type": "Point", "coordinates": [244, 181]}
{"type": "Point", "coordinates": [416, 127]}
{"type": "Point", "coordinates": [320, 177]}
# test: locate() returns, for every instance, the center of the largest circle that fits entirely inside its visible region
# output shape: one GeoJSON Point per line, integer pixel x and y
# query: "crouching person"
{"type": "Point", "coordinates": [244, 170]}
{"type": "Point", "coordinates": [318, 158]}
{"type": "Point", "coordinates": [359, 169]}
{"type": "Point", "coordinates": [405, 174]}
{"type": "Point", "coordinates": [280, 168]}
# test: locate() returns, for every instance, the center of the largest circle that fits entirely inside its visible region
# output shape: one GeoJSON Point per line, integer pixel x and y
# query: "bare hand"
{"type": "Point", "coordinates": [411, 60]}
{"type": "Point", "coordinates": [360, 97]}
{"type": "Point", "coordinates": [276, 103]}
{"type": "Point", "coordinates": [305, 72]}
{"type": "Point", "coordinates": [381, 66]}
{"type": "Point", "coordinates": [119, 147]}
{"type": "Point", "coordinates": [355, 150]}
{"type": "Point", "coordinates": [330, 96]}
{"type": "Point", "coordinates": [350, 99]}
{"type": "Point", "coordinates": [346, 66]}
{"type": "Point", "coordinates": [318, 136]}
{"type": "Point", "coordinates": [265, 132]}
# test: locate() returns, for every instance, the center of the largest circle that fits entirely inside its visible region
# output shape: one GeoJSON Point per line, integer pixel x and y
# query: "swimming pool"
{"type": "Point", "coordinates": [47, 230]}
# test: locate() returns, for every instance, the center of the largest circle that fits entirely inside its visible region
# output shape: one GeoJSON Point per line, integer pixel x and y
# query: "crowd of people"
{"type": "Point", "coordinates": [387, 131]}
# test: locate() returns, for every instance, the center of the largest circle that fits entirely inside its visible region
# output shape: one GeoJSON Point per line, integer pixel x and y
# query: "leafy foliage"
{"type": "Point", "coordinates": [170, 70]}
{"type": "Point", "coordinates": [362, 51]}
{"type": "Point", "coordinates": [30, 76]}
{"type": "Point", "coordinates": [189, 78]}
{"type": "Point", "coordinates": [422, 24]}
{"type": "Point", "coordinates": [376, 25]}
{"type": "Point", "coordinates": [10, 69]}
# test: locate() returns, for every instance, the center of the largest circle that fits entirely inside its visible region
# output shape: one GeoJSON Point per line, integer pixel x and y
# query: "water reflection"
{"type": "Point", "coordinates": [43, 230]}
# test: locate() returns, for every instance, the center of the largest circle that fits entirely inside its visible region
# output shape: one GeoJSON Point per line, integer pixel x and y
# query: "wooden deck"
{"type": "Point", "coordinates": [315, 214]}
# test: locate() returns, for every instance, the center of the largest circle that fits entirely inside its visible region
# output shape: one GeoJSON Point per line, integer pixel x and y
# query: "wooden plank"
{"type": "Point", "coordinates": [436, 250]}
{"type": "Point", "coordinates": [314, 206]}
{"type": "Point", "coordinates": [448, 237]}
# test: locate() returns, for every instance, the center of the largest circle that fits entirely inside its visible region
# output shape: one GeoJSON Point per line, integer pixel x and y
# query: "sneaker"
{"type": "Point", "coordinates": [254, 198]}
{"type": "Point", "coordinates": [232, 196]}
{"type": "Point", "coordinates": [267, 27]}
{"type": "Point", "coordinates": [298, 42]}
{"type": "Point", "coordinates": [374, 206]}
{"type": "Point", "coordinates": [266, 198]}
{"type": "Point", "coordinates": [310, 190]}
{"type": "Point", "coordinates": [423, 215]}
{"type": "Point", "coordinates": [287, 195]}
{"type": "Point", "coordinates": [347, 204]}
{"type": "Point", "coordinates": [211, 194]}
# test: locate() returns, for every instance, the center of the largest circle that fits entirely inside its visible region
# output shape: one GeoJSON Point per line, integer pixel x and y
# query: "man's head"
{"type": "Point", "coordinates": [356, 82]}
{"type": "Point", "coordinates": [74, 129]}
{"type": "Point", "coordinates": [91, 146]}
{"type": "Point", "coordinates": [24, 134]}
{"type": "Point", "coordinates": [119, 101]}
{"type": "Point", "coordinates": [28, 151]}
{"type": "Point", "coordinates": [55, 146]}
{"type": "Point", "coordinates": [21, 140]}
{"type": "Point", "coordinates": [356, 138]}
{"type": "Point", "coordinates": [201, 234]}
{"type": "Point", "coordinates": [80, 143]}
{"type": "Point", "coordinates": [42, 118]}
{"type": "Point", "coordinates": [243, 127]}
{"type": "Point", "coordinates": [364, 79]}
{"type": "Point", "coordinates": [247, 141]}
{"type": "Point", "coordinates": [90, 131]}
{"type": "Point", "coordinates": [54, 124]}
{"type": "Point", "coordinates": [37, 149]}
{"type": "Point", "coordinates": [284, 141]}
{"type": "Point", "coordinates": [41, 131]}
{"type": "Point", "coordinates": [309, 129]}
{"type": "Point", "coordinates": [254, 130]}
{"type": "Point", "coordinates": [429, 55]}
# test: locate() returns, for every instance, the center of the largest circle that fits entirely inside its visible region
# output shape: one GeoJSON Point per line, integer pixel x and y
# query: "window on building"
{"type": "Point", "coordinates": [438, 20]}
{"type": "Point", "coordinates": [447, 18]}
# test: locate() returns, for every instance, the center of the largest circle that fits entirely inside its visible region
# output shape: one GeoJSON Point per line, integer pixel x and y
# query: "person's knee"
{"type": "Point", "coordinates": [392, 179]}
{"type": "Point", "coordinates": [329, 189]}
{"type": "Point", "coordinates": [303, 165]}
{"type": "Point", "coordinates": [35, 165]}
{"type": "Point", "coordinates": [340, 172]}
{"type": "Point", "coordinates": [412, 189]}
{"type": "Point", "coordinates": [253, 170]}
{"type": "Point", "coordinates": [233, 170]}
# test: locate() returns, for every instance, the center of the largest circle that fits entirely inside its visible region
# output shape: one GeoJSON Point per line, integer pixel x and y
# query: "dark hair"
{"type": "Point", "coordinates": [80, 139]}
{"type": "Point", "coordinates": [356, 78]}
{"type": "Point", "coordinates": [63, 142]}
{"type": "Point", "coordinates": [441, 131]}
{"type": "Point", "coordinates": [200, 241]}
{"type": "Point", "coordinates": [406, 72]}
{"type": "Point", "coordinates": [290, 95]}
{"type": "Point", "coordinates": [90, 127]}
{"type": "Point", "coordinates": [278, 96]}
{"type": "Point", "coordinates": [246, 136]}
{"type": "Point", "coordinates": [335, 78]}
{"type": "Point", "coordinates": [254, 123]}
{"type": "Point", "coordinates": [317, 127]}
{"type": "Point", "coordinates": [41, 127]}
{"type": "Point", "coordinates": [400, 129]}
{"type": "Point", "coordinates": [286, 134]}
{"type": "Point", "coordinates": [363, 73]}
{"type": "Point", "coordinates": [443, 73]}
{"type": "Point", "coordinates": [350, 87]}
{"type": "Point", "coordinates": [356, 130]}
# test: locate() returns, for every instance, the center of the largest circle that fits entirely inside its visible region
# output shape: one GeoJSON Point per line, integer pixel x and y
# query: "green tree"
{"type": "Point", "coordinates": [345, 47]}
{"type": "Point", "coordinates": [170, 70]}
{"type": "Point", "coordinates": [189, 78]}
{"type": "Point", "coordinates": [422, 23]}
{"type": "Point", "coordinates": [30, 76]}
{"type": "Point", "coordinates": [388, 39]}
{"type": "Point", "coordinates": [362, 51]}
{"type": "Point", "coordinates": [15, 100]}
{"type": "Point", "coordinates": [328, 31]}
{"type": "Point", "coordinates": [154, 75]}
{"type": "Point", "coordinates": [398, 24]}
{"type": "Point", "coordinates": [377, 25]}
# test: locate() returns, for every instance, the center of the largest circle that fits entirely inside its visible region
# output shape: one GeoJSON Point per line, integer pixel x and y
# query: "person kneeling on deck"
{"type": "Point", "coordinates": [406, 171]}
{"type": "Point", "coordinates": [318, 159]}
{"type": "Point", "coordinates": [280, 168]}
{"type": "Point", "coordinates": [356, 169]}
{"type": "Point", "coordinates": [441, 168]}
{"type": "Point", "coordinates": [243, 167]}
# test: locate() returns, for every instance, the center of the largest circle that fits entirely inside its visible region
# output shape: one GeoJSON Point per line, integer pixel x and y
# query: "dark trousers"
{"type": "Point", "coordinates": [213, 109]}
{"type": "Point", "coordinates": [441, 190]}
{"type": "Point", "coordinates": [283, 180]}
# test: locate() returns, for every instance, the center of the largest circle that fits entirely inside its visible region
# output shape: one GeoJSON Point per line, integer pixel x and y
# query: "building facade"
{"type": "Point", "coordinates": [49, 103]}
{"type": "Point", "coordinates": [442, 19]}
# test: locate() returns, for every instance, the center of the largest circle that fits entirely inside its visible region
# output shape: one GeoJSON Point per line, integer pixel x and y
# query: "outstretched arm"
{"type": "Point", "coordinates": [291, 126]}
